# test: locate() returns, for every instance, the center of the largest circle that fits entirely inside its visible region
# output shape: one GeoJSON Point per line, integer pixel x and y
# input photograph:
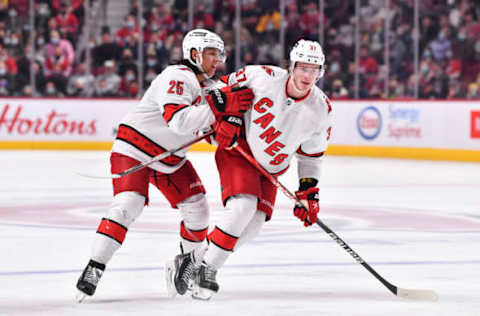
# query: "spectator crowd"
{"type": "Point", "coordinates": [449, 45]}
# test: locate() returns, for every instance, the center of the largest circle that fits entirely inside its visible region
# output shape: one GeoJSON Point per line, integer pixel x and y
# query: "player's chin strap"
{"type": "Point", "coordinates": [294, 85]}
{"type": "Point", "coordinates": [427, 295]}
{"type": "Point", "coordinates": [198, 64]}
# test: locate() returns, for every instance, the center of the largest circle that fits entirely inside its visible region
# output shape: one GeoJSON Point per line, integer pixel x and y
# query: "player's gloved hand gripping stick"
{"type": "Point", "coordinates": [428, 295]}
{"type": "Point", "coordinates": [309, 197]}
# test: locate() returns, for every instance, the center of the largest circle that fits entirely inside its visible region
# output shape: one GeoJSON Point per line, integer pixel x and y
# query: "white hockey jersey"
{"type": "Point", "coordinates": [279, 127]}
{"type": "Point", "coordinates": [171, 113]}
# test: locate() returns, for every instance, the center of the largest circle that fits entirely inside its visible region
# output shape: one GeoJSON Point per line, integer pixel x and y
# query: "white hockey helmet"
{"type": "Point", "coordinates": [201, 39]}
{"type": "Point", "coordinates": [309, 52]}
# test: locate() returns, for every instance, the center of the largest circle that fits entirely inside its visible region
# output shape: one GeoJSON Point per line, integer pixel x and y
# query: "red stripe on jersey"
{"type": "Point", "coordinates": [186, 68]}
{"type": "Point", "coordinates": [301, 152]}
{"type": "Point", "coordinates": [133, 137]}
{"type": "Point", "coordinates": [193, 235]}
{"type": "Point", "coordinates": [171, 109]}
{"type": "Point", "coordinates": [327, 100]}
{"type": "Point", "coordinates": [198, 99]}
{"type": "Point", "coordinates": [222, 239]}
{"type": "Point", "coordinates": [224, 79]}
{"type": "Point", "coordinates": [112, 229]}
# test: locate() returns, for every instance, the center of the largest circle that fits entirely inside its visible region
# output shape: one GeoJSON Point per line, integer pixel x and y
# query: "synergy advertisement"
{"type": "Point", "coordinates": [425, 124]}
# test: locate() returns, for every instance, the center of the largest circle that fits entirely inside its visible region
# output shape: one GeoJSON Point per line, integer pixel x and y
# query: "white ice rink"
{"type": "Point", "coordinates": [416, 222]}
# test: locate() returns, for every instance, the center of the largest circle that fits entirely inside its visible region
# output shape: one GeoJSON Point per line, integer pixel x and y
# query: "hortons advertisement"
{"type": "Point", "coordinates": [65, 120]}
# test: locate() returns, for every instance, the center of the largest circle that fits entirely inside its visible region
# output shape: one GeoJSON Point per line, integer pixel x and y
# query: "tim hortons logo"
{"type": "Point", "coordinates": [475, 124]}
{"type": "Point", "coordinates": [53, 123]}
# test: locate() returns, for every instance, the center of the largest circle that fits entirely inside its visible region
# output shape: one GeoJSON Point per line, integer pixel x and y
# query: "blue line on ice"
{"type": "Point", "coordinates": [252, 266]}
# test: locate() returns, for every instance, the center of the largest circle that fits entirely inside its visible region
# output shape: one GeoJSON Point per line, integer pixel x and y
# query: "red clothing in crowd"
{"type": "Point", "coordinates": [68, 21]}
{"type": "Point", "coordinates": [57, 4]}
{"type": "Point", "coordinates": [367, 65]}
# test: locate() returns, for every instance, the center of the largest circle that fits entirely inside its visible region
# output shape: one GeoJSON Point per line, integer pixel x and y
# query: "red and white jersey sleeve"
{"type": "Point", "coordinates": [171, 112]}
{"type": "Point", "coordinates": [309, 154]}
{"type": "Point", "coordinates": [279, 127]}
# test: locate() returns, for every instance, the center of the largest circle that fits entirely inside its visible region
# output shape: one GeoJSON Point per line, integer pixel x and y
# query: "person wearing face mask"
{"type": "Point", "coordinates": [309, 20]}
{"type": "Point", "coordinates": [441, 48]}
{"type": "Point", "coordinates": [16, 47]}
{"type": "Point", "coordinates": [106, 50]}
{"type": "Point", "coordinates": [9, 61]}
{"type": "Point", "coordinates": [203, 19]}
{"type": "Point", "coordinates": [14, 22]}
{"type": "Point", "coordinates": [67, 21]}
{"type": "Point", "coordinates": [150, 74]}
{"type": "Point", "coordinates": [59, 50]}
{"type": "Point", "coordinates": [128, 84]}
{"type": "Point", "coordinates": [129, 28]}
{"type": "Point", "coordinates": [269, 22]}
{"type": "Point", "coordinates": [51, 90]}
{"type": "Point", "coordinates": [174, 110]}
{"type": "Point", "coordinates": [126, 62]}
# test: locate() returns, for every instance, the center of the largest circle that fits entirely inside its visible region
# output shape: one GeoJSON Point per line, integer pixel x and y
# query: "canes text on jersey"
{"type": "Point", "coordinates": [270, 134]}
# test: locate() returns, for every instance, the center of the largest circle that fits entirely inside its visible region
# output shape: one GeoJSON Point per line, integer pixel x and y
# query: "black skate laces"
{"type": "Point", "coordinates": [189, 272]}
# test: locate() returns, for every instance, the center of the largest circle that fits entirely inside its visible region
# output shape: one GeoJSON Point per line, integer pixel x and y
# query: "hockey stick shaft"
{"type": "Point", "coordinates": [414, 294]}
{"type": "Point", "coordinates": [160, 157]}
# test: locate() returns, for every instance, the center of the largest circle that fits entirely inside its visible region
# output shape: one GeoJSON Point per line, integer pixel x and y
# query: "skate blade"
{"type": "Point", "coordinates": [80, 297]}
{"type": "Point", "coordinates": [169, 276]}
{"type": "Point", "coordinates": [199, 293]}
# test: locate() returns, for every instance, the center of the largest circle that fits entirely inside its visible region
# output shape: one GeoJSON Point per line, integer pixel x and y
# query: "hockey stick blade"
{"type": "Point", "coordinates": [426, 295]}
{"type": "Point", "coordinates": [419, 295]}
{"type": "Point", "coordinates": [147, 163]}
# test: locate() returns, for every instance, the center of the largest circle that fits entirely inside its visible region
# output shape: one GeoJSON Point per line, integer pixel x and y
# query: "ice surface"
{"type": "Point", "coordinates": [417, 223]}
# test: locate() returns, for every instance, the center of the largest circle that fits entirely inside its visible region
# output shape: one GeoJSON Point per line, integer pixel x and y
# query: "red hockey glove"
{"type": "Point", "coordinates": [227, 130]}
{"type": "Point", "coordinates": [308, 197]}
{"type": "Point", "coordinates": [228, 100]}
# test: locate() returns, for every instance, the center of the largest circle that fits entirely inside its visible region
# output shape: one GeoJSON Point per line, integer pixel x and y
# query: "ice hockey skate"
{"type": "Point", "coordinates": [88, 281]}
{"type": "Point", "coordinates": [169, 278]}
{"type": "Point", "coordinates": [185, 271]}
{"type": "Point", "coordinates": [205, 283]}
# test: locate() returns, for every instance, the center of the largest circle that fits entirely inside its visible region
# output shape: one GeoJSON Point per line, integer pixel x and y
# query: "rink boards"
{"type": "Point", "coordinates": [417, 129]}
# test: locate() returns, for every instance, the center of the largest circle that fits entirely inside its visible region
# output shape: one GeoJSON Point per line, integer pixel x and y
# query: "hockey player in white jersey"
{"type": "Point", "coordinates": [290, 117]}
{"type": "Point", "coordinates": [171, 113]}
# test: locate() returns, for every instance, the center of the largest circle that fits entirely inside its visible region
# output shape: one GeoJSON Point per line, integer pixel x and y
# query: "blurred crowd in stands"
{"type": "Point", "coordinates": [449, 47]}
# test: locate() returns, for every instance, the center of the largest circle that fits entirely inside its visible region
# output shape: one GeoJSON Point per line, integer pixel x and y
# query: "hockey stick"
{"type": "Point", "coordinates": [149, 162]}
{"type": "Point", "coordinates": [428, 295]}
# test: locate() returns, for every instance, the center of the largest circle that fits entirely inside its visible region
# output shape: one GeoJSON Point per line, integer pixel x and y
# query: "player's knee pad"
{"type": "Point", "coordinates": [195, 211]}
{"type": "Point", "coordinates": [242, 207]}
{"type": "Point", "coordinates": [126, 207]}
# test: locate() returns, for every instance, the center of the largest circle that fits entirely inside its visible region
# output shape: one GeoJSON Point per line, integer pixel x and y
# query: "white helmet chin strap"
{"type": "Point", "coordinates": [198, 64]}
{"type": "Point", "coordinates": [294, 85]}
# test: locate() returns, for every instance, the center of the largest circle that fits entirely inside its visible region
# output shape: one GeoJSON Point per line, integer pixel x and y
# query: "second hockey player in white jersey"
{"type": "Point", "coordinates": [171, 113]}
{"type": "Point", "coordinates": [290, 117]}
